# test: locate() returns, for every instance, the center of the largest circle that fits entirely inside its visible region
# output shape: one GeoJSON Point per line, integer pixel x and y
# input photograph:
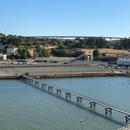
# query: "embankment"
{"type": "Point", "coordinates": [67, 75]}
{"type": "Point", "coordinates": [79, 74]}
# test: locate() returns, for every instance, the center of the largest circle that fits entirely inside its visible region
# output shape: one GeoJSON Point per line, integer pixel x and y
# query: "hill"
{"type": "Point", "coordinates": [108, 51]}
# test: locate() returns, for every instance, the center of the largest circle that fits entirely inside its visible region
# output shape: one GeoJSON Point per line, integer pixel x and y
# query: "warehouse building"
{"type": "Point", "coordinates": [123, 62]}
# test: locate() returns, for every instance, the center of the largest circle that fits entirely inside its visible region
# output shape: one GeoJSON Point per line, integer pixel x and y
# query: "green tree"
{"type": "Point", "coordinates": [22, 53]}
{"type": "Point", "coordinates": [91, 42]}
{"type": "Point", "coordinates": [59, 52]}
{"type": "Point", "coordinates": [39, 50]}
{"type": "Point", "coordinates": [96, 54]}
{"type": "Point", "coordinates": [46, 53]}
{"type": "Point", "coordinates": [103, 54]}
{"type": "Point", "coordinates": [61, 46]}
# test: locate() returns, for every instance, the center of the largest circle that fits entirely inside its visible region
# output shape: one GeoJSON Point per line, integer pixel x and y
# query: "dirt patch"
{"type": "Point", "coordinates": [50, 47]}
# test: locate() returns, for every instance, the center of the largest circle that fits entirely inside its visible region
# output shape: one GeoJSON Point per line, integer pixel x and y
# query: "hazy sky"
{"type": "Point", "coordinates": [65, 17]}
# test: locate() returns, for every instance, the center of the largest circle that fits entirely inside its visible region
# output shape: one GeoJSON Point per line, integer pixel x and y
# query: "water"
{"type": "Point", "coordinates": [26, 107]}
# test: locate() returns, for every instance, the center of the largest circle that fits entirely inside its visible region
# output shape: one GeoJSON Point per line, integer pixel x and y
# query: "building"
{"type": "Point", "coordinates": [3, 57]}
{"type": "Point", "coordinates": [11, 50]}
{"type": "Point", "coordinates": [127, 56]}
{"type": "Point", "coordinates": [85, 56]}
{"type": "Point", "coordinates": [123, 61]}
{"type": "Point", "coordinates": [31, 51]}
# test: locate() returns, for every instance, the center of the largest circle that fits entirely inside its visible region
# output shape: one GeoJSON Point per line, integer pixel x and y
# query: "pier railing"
{"type": "Point", "coordinates": [127, 127]}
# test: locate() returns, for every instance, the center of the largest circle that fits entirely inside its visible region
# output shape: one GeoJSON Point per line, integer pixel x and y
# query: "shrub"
{"type": "Point", "coordinates": [27, 73]}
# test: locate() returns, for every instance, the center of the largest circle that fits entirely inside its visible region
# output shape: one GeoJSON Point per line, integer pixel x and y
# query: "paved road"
{"type": "Point", "coordinates": [79, 66]}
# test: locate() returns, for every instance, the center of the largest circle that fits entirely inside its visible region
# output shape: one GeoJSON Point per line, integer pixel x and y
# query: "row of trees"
{"type": "Point", "coordinates": [67, 47]}
{"type": "Point", "coordinates": [23, 53]}
{"type": "Point", "coordinates": [62, 43]}
{"type": "Point", "coordinates": [123, 44]}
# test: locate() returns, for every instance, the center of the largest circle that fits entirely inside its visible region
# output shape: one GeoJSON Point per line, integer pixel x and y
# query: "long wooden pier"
{"type": "Point", "coordinates": [93, 102]}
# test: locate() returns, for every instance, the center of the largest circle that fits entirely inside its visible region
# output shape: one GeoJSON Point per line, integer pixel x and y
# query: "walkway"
{"type": "Point", "coordinates": [93, 102]}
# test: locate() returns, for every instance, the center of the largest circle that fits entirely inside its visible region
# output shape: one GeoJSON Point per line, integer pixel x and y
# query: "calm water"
{"type": "Point", "coordinates": [25, 107]}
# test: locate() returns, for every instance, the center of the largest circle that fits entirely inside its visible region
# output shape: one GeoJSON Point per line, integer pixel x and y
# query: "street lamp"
{"type": "Point", "coordinates": [69, 61]}
{"type": "Point", "coordinates": [83, 121]}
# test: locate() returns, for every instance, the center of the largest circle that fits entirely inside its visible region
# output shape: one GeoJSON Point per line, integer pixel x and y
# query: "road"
{"type": "Point", "coordinates": [60, 67]}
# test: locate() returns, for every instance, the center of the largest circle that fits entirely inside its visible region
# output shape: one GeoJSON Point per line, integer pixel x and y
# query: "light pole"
{"type": "Point", "coordinates": [83, 121]}
{"type": "Point", "coordinates": [69, 61]}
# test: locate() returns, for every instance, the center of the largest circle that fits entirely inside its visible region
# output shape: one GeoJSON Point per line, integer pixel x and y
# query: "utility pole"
{"type": "Point", "coordinates": [83, 122]}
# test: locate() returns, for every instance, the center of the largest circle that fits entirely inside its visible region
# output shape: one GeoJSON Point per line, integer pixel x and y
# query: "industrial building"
{"type": "Point", "coordinates": [123, 62]}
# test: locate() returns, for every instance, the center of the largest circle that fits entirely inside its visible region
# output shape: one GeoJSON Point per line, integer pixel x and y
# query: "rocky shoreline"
{"type": "Point", "coordinates": [68, 75]}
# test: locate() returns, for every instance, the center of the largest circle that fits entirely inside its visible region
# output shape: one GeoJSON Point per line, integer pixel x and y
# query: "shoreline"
{"type": "Point", "coordinates": [79, 74]}
{"type": "Point", "coordinates": [69, 75]}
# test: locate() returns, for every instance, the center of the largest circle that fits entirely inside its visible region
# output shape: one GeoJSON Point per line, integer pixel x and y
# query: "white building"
{"type": "Point", "coordinates": [11, 50]}
{"type": "Point", "coordinates": [85, 56]}
{"type": "Point", "coordinates": [123, 61]}
{"type": "Point", "coordinates": [3, 57]}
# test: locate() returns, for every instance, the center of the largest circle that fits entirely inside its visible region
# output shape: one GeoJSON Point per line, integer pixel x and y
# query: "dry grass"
{"type": "Point", "coordinates": [50, 47]}
{"type": "Point", "coordinates": [108, 51]}
{"type": "Point", "coordinates": [103, 50]}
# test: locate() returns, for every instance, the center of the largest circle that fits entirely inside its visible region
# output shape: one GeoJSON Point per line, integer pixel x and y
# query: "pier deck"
{"type": "Point", "coordinates": [93, 102]}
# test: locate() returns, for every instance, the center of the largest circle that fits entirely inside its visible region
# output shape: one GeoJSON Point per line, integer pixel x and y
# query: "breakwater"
{"type": "Point", "coordinates": [79, 74]}
{"type": "Point", "coordinates": [66, 75]}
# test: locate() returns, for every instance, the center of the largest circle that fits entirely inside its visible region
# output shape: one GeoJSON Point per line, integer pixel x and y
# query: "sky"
{"type": "Point", "coordinates": [110, 18]}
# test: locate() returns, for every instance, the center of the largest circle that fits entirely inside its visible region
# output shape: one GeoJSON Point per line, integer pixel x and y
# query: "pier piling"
{"type": "Point", "coordinates": [43, 85]}
{"type": "Point", "coordinates": [108, 110]}
{"type": "Point", "coordinates": [50, 88]}
{"type": "Point", "coordinates": [92, 104]}
{"type": "Point", "coordinates": [127, 118]}
{"type": "Point", "coordinates": [58, 91]}
{"type": "Point", "coordinates": [79, 99]}
{"type": "Point", "coordinates": [68, 95]}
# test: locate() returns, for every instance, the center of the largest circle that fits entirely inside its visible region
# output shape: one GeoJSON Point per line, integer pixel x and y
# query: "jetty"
{"type": "Point", "coordinates": [108, 108]}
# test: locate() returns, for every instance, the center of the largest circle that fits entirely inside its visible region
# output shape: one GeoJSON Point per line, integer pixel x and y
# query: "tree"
{"type": "Point", "coordinates": [28, 54]}
{"type": "Point", "coordinates": [61, 46]}
{"type": "Point", "coordinates": [91, 42]}
{"type": "Point", "coordinates": [38, 50]}
{"type": "Point", "coordinates": [60, 52]}
{"type": "Point", "coordinates": [29, 43]}
{"type": "Point", "coordinates": [103, 54]}
{"type": "Point", "coordinates": [96, 54]}
{"type": "Point", "coordinates": [22, 53]}
{"type": "Point", "coordinates": [45, 52]}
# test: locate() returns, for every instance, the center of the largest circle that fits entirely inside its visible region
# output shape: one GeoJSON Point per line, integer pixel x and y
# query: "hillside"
{"type": "Point", "coordinates": [108, 51]}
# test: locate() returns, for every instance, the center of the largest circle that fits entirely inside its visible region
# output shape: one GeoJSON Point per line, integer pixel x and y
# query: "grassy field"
{"type": "Point", "coordinates": [107, 51]}
{"type": "Point", "coordinates": [102, 50]}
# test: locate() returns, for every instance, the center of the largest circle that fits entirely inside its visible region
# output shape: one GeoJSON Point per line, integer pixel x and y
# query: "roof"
{"type": "Point", "coordinates": [123, 59]}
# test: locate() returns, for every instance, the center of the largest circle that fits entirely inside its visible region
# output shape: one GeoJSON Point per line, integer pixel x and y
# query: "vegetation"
{"type": "Point", "coordinates": [64, 47]}
{"type": "Point", "coordinates": [96, 54]}
{"type": "Point", "coordinates": [27, 73]}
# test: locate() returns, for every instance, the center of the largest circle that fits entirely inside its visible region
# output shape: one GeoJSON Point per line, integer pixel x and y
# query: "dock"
{"type": "Point", "coordinates": [108, 108]}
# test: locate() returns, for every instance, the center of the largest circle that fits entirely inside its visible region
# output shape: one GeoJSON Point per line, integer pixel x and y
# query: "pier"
{"type": "Point", "coordinates": [107, 107]}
